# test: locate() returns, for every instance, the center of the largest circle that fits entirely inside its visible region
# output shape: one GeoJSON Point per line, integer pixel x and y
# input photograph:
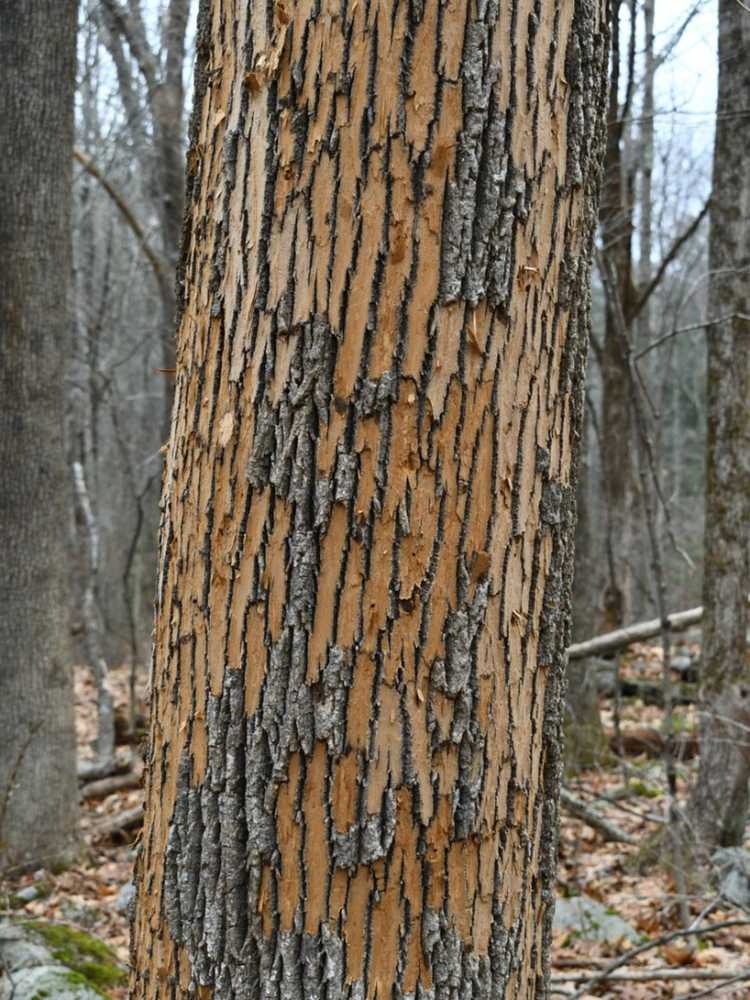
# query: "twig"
{"type": "Point", "coordinates": [715, 989]}
{"type": "Point", "coordinates": [158, 265]}
{"type": "Point", "coordinates": [106, 786]}
{"type": "Point", "coordinates": [655, 943]}
{"type": "Point", "coordinates": [691, 328]}
{"type": "Point", "coordinates": [670, 255]}
{"type": "Point", "coordinates": [647, 465]}
{"type": "Point", "coordinates": [650, 975]}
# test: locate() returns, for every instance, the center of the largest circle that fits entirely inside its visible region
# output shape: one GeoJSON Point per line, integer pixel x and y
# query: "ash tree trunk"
{"type": "Point", "coordinates": [369, 501]}
{"type": "Point", "coordinates": [719, 804]}
{"type": "Point", "coordinates": [38, 787]}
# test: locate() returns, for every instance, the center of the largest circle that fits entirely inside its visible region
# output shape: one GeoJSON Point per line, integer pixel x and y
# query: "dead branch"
{"type": "Point", "coordinates": [652, 975]}
{"type": "Point", "coordinates": [121, 822]}
{"type": "Point", "coordinates": [609, 831]}
{"type": "Point", "coordinates": [92, 770]}
{"type": "Point", "coordinates": [103, 787]}
{"type": "Point", "coordinates": [624, 959]}
{"type": "Point", "coordinates": [669, 256]}
{"type": "Point", "coordinates": [158, 265]}
{"type": "Point", "coordinates": [645, 740]}
{"type": "Point", "coordinates": [639, 632]}
{"type": "Point", "coordinates": [690, 328]}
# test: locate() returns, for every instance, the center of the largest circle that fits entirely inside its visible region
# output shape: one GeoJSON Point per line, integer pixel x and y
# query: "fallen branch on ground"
{"type": "Point", "coordinates": [91, 770]}
{"type": "Point", "coordinates": [644, 739]}
{"type": "Point", "coordinates": [606, 973]}
{"type": "Point", "coordinates": [106, 786]}
{"type": "Point", "coordinates": [640, 631]}
{"type": "Point", "coordinates": [121, 822]}
{"type": "Point", "coordinates": [651, 693]}
{"type": "Point", "coordinates": [610, 831]}
{"type": "Point", "coordinates": [650, 975]}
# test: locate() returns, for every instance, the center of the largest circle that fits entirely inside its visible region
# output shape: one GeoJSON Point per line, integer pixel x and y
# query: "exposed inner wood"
{"type": "Point", "coordinates": [368, 501]}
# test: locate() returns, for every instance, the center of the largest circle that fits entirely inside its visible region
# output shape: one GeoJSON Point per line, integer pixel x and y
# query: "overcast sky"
{"type": "Point", "coordinates": [686, 86]}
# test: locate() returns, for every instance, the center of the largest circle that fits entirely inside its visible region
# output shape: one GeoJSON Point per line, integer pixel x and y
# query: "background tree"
{"type": "Point", "coordinates": [368, 506]}
{"type": "Point", "coordinates": [646, 259]}
{"type": "Point", "coordinates": [131, 142]}
{"type": "Point", "coordinates": [154, 114]}
{"type": "Point", "coordinates": [38, 789]}
{"type": "Point", "coordinates": [719, 805]}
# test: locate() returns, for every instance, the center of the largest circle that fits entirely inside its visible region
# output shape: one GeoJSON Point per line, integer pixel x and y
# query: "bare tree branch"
{"type": "Point", "coordinates": [670, 255]}
{"type": "Point", "coordinates": [653, 975]}
{"type": "Point", "coordinates": [130, 25]}
{"type": "Point", "coordinates": [158, 265]}
{"type": "Point", "coordinates": [676, 38]}
{"type": "Point", "coordinates": [650, 946]}
{"type": "Point", "coordinates": [688, 329]}
{"type": "Point", "coordinates": [609, 831]}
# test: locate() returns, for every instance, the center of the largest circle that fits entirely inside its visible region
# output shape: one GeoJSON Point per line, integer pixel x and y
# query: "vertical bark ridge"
{"type": "Point", "coordinates": [368, 501]}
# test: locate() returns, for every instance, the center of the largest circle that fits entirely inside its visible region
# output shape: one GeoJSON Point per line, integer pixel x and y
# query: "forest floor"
{"type": "Point", "coordinates": [630, 793]}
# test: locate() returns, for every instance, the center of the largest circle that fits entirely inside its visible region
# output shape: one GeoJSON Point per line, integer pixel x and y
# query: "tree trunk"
{"type": "Point", "coordinates": [616, 425]}
{"type": "Point", "coordinates": [586, 743]}
{"type": "Point", "coordinates": [92, 624]}
{"type": "Point", "coordinates": [38, 787]}
{"type": "Point", "coordinates": [646, 138]}
{"type": "Point", "coordinates": [162, 71]}
{"type": "Point", "coordinates": [718, 809]}
{"type": "Point", "coordinates": [585, 739]}
{"type": "Point", "coordinates": [368, 511]}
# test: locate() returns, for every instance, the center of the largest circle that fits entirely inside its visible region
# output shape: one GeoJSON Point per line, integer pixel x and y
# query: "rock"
{"type": "Point", "coordinates": [686, 667]}
{"type": "Point", "coordinates": [585, 918]}
{"type": "Point", "coordinates": [125, 898]}
{"type": "Point", "coordinates": [606, 675]}
{"type": "Point", "coordinates": [54, 961]}
{"type": "Point", "coordinates": [47, 981]}
{"type": "Point", "coordinates": [680, 663]}
{"type": "Point", "coordinates": [26, 895]}
{"type": "Point", "coordinates": [733, 875]}
{"type": "Point", "coordinates": [84, 916]}
{"type": "Point", "coordinates": [18, 949]}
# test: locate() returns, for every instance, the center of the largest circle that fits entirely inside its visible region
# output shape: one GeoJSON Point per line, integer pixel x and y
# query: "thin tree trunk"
{"type": "Point", "coordinates": [646, 129]}
{"type": "Point", "coordinates": [585, 739]}
{"type": "Point", "coordinates": [616, 425]}
{"type": "Point", "coordinates": [164, 161]}
{"type": "Point", "coordinates": [93, 640]}
{"type": "Point", "coordinates": [168, 109]}
{"type": "Point", "coordinates": [369, 503]}
{"type": "Point", "coordinates": [719, 804]}
{"type": "Point", "coordinates": [38, 787]}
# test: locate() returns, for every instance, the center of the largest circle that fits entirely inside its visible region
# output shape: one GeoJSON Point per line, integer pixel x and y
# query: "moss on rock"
{"type": "Point", "coordinates": [90, 961]}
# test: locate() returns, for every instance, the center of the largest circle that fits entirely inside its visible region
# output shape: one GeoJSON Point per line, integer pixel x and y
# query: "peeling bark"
{"type": "Point", "coordinates": [368, 507]}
